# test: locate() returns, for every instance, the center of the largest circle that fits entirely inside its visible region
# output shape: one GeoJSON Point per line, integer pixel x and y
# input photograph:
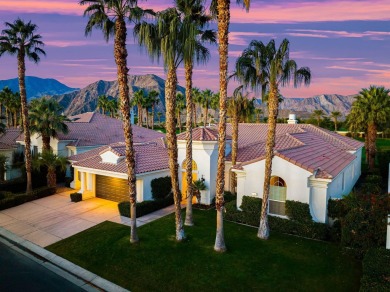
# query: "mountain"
{"type": "Point", "coordinates": [85, 99]}
{"type": "Point", "coordinates": [303, 107]}
{"type": "Point", "coordinates": [37, 87]}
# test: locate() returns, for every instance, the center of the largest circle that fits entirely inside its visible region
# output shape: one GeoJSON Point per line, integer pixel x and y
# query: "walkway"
{"type": "Point", "coordinates": [51, 219]}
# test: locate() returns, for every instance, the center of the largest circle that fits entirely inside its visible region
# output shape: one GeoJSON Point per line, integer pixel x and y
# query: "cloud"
{"type": "Point", "coordinates": [72, 43]}
{"type": "Point", "coordinates": [41, 6]}
{"type": "Point", "coordinates": [239, 38]}
{"type": "Point", "coordinates": [373, 35]}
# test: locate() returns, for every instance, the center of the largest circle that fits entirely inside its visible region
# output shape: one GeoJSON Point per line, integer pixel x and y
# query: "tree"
{"type": "Point", "coordinates": [206, 101]}
{"type": "Point", "coordinates": [370, 111]}
{"type": "Point", "coordinates": [159, 115]}
{"type": "Point", "coordinates": [279, 70]}
{"type": "Point", "coordinates": [3, 166]}
{"type": "Point", "coordinates": [102, 103]}
{"type": "Point", "coordinates": [4, 96]}
{"type": "Point", "coordinates": [51, 161]}
{"type": "Point", "coordinates": [139, 100]}
{"type": "Point", "coordinates": [154, 100]}
{"type": "Point", "coordinates": [112, 107]}
{"type": "Point", "coordinates": [335, 115]}
{"type": "Point", "coordinates": [197, 100]}
{"type": "Point", "coordinates": [163, 38]}
{"type": "Point", "coordinates": [110, 16]}
{"type": "Point", "coordinates": [20, 39]}
{"type": "Point", "coordinates": [13, 107]}
{"type": "Point", "coordinates": [318, 115]}
{"type": "Point", "coordinates": [180, 106]}
{"type": "Point", "coordinates": [258, 112]}
{"type": "Point", "coordinates": [2, 128]}
{"type": "Point", "coordinates": [46, 120]}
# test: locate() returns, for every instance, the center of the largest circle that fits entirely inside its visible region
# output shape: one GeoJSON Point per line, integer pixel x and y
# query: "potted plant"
{"type": "Point", "coordinates": [197, 187]}
{"type": "Point", "coordinates": [76, 197]}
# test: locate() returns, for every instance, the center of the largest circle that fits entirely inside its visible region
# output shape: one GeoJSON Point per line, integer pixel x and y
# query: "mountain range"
{"type": "Point", "coordinates": [37, 87]}
{"type": "Point", "coordinates": [75, 101]}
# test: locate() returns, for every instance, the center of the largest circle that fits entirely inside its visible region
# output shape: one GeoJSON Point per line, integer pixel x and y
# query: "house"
{"type": "Point", "coordinates": [12, 150]}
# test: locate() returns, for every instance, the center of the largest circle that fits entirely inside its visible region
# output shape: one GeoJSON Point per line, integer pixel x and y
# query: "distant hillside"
{"type": "Point", "coordinates": [37, 87]}
{"type": "Point", "coordinates": [86, 98]}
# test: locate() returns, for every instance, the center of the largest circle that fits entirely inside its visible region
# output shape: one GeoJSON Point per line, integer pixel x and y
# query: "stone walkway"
{"type": "Point", "coordinates": [51, 219]}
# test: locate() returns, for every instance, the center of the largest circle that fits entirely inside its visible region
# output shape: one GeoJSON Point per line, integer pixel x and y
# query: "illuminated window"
{"type": "Point", "coordinates": [277, 196]}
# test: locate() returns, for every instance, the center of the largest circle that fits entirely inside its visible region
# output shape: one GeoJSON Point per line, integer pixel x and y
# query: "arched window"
{"type": "Point", "coordinates": [277, 196]}
{"type": "Point", "coordinates": [184, 165]}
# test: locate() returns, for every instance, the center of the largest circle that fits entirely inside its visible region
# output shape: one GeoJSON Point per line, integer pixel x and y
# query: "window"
{"type": "Point", "coordinates": [277, 196]}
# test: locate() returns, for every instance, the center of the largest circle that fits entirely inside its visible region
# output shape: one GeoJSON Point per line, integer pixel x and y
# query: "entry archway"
{"type": "Point", "coordinates": [184, 176]}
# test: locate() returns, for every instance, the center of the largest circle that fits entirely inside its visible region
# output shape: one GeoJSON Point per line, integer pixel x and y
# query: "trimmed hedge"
{"type": "Point", "coordinates": [161, 187]}
{"type": "Point", "coordinates": [250, 215]}
{"type": "Point", "coordinates": [298, 211]}
{"type": "Point", "coordinates": [144, 207]}
{"type": "Point", "coordinates": [11, 200]}
{"type": "Point", "coordinates": [376, 270]}
{"type": "Point", "coordinates": [17, 185]}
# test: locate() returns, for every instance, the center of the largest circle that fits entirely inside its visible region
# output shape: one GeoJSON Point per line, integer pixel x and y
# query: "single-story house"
{"type": "Point", "coordinates": [10, 148]}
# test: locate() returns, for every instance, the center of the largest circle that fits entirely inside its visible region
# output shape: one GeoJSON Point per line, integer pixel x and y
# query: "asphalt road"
{"type": "Point", "coordinates": [20, 273]}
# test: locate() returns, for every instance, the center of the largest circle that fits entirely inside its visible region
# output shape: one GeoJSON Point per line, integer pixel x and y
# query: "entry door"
{"type": "Point", "coordinates": [184, 183]}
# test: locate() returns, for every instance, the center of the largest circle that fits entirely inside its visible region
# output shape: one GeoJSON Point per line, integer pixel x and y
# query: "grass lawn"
{"type": "Point", "coordinates": [158, 263]}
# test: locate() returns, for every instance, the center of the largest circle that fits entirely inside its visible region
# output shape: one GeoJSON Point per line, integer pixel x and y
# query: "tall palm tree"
{"type": "Point", "coordinates": [318, 115]}
{"type": "Point", "coordinates": [14, 108]}
{"type": "Point", "coordinates": [20, 39]}
{"type": "Point", "coordinates": [102, 103]}
{"type": "Point", "coordinates": [154, 100]}
{"type": "Point", "coordinates": [159, 115]}
{"type": "Point", "coordinates": [163, 38]}
{"type": "Point", "coordinates": [51, 161]}
{"type": "Point", "coordinates": [112, 107]}
{"type": "Point", "coordinates": [197, 100]}
{"type": "Point", "coordinates": [370, 111]}
{"type": "Point", "coordinates": [194, 21]}
{"type": "Point", "coordinates": [46, 120]}
{"type": "Point", "coordinates": [258, 112]}
{"type": "Point", "coordinates": [335, 115]}
{"type": "Point", "coordinates": [110, 16]}
{"type": "Point", "coordinates": [180, 106]}
{"type": "Point", "coordinates": [206, 101]}
{"type": "Point", "coordinates": [4, 95]}
{"type": "Point", "coordinates": [280, 71]}
{"type": "Point", "coordinates": [138, 100]}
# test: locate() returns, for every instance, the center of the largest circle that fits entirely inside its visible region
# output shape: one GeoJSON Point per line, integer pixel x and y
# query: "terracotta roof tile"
{"type": "Point", "coordinates": [8, 139]}
{"type": "Point", "coordinates": [202, 134]}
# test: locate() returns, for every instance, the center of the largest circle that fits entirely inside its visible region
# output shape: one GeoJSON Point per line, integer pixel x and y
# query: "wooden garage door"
{"type": "Point", "coordinates": [110, 188]}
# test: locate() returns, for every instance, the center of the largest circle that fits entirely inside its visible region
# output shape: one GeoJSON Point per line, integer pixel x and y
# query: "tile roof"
{"type": "Point", "coordinates": [202, 134]}
{"type": "Point", "coordinates": [8, 139]}
{"type": "Point", "coordinates": [94, 129]}
{"type": "Point", "coordinates": [151, 156]}
{"type": "Point", "coordinates": [314, 149]}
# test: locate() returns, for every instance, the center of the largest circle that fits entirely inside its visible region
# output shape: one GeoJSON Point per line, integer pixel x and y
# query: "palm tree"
{"type": "Point", "coordinates": [154, 100]}
{"type": "Point", "coordinates": [138, 100]}
{"type": "Point", "coordinates": [2, 128]}
{"type": "Point", "coordinates": [163, 38]}
{"type": "Point", "coordinates": [206, 101]}
{"type": "Point", "coordinates": [4, 95]}
{"type": "Point", "coordinates": [46, 119]}
{"type": "Point", "coordinates": [110, 16]}
{"type": "Point", "coordinates": [51, 161]}
{"type": "Point", "coordinates": [180, 106]}
{"type": "Point", "coordinates": [370, 111]}
{"type": "Point", "coordinates": [13, 105]}
{"type": "Point", "coordinates": [258, 112]}
{"type": "Point", "coordinates": [112, 107]}
{"type": "Point", "coordinates": [335, 115]}
{"type": "Point", "coordinates": [102, 103]}
{"type": "Point", "coordinates": [318, 115]}
{"type": "Point", "coordinates": [197, 100]}
{"type": "Point", "coordinates": [159, 115]}
{"type": "Point", "coordinates": [279, 70]}
{"type": "Point", "coordinates": [3, 166]}
{"type": "Point", "coordinates": [20, 39]}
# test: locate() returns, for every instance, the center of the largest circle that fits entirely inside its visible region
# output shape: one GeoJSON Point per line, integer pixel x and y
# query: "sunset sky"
{"type": "Point", "coordinates": [346, 44]}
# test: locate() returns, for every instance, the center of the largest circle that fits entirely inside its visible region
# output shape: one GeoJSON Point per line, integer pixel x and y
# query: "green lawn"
{"type": "Point", "coordinates": [158, 263]}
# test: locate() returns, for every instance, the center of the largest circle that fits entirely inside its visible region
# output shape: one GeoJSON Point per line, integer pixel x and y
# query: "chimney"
{"type": "Point", "coordinates": [292, 119]}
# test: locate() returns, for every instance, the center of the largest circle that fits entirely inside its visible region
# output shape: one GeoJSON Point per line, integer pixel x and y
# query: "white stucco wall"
{"type": "Point", "coordinates": [147, 179]}
{"type": "Point", "coordinates": [10, 172]}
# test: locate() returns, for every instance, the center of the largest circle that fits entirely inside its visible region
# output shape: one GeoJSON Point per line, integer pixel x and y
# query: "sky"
{"type": "Point", "coordinates": [345, 43]}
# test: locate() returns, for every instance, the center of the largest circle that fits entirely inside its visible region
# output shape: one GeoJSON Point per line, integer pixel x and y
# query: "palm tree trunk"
{"type": "Point", "coordinates": [15, 118]}
{"type": "Point", "coordinates": [234, 151]}
{"type": "Point", "coordinates": [147, 118]}
{"type": "Point", "coordinates": [1, 112]}
{"type": "Point", "coordinates": [120, 53]}
{"type": "Point", "coordinates": [335, 125]}
{"type": "Point", "coordinates": [194, 111]}
{"type": "Point", "coordinates": [45, 143]}
{"type": "Point", "coordinates": [26, 122]}
{"type": "Point", "coordinates": [51, 177]}
{"type": "Point", "coordinates": [153, 116]}
{"type": "Point", "coordinates": [7, 117]}
{"type": "Point", "coordinates": [371, 145]}
{"type": "Point", "coordinates": [205, 116]}
{"type": "Point", "coordinates": [188, 75]}
{"type": "Point", "coordinates": [273, 104]}
{"type": "Point", "coordinates": [139, 109]}
{"type": "Point", "coordinates": [170, 102]}
{"type": "Point", "coordinates": [223, 37]}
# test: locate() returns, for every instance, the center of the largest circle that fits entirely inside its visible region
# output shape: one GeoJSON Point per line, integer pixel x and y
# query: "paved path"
{"type": "Point", "coordinates": [51, 219]}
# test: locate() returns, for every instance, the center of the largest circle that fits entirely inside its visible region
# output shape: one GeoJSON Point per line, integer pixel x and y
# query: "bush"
{"type": "Point", "coordinates": [17, 185]}
{"type": "Point", "coordinates": [11, 200]}
{"type": "Point", "coordinates": [383, 162]}
{"type": "Point", "coordinates": [161, 187]}
{"type": "Point", "coordinates": [76, 197]}
{"type": "Point", "coordinates": [298, 211]}
{"type": "Point", "coordinates": [376, 270]}
{"type": "Point", "coordinates": [145, 207]}
{"type": "Point", "coordinates": [229, 196]}
{"type": "Point", "coordinates": [336, 208]}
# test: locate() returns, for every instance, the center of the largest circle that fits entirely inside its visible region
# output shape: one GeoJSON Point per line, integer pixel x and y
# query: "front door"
{"type": "Point", "coordinates": [184, 183]}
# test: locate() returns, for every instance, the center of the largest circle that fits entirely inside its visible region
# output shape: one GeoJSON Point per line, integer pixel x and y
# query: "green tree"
{"type": "Point", "coordinates": [46, 120]}
{"type": "Point", "coordinates": [139, 100]}
{"type": "Point", "coordinates": [318, 115]}
{"type": "Point", "coordinates": [3, 166]}
{"type": "Point", "coordinates": [258, 112]}
{"type": "Point", "coordinates": [112, 107]}
{"type": "Point", "coordinates": [159, 115]}
{"type": "Point", "coordinates": [208, 99]}
{"type": "Point", "coordinates": [197, 100]}
{"type": "Point", "coordinates": [335, 115]}
{"type": "Point", "coordinates": [102, 103]}
{"type": "Point", "coordinates": [280, 71]}
{"type": "Point", "coordinates": [370, 111]}
{"type": "Point", "coordinates": [180, 106]}
{"type": "Point", "coordinates": [20, 39]}
{"type": "Point", "coordinates": [154, 100]}
{"type": "Point", "coordinates": [110, 16]}
{"type": "Point", "coordinates": [163, 38]}
{"type": "Point", "coordinates": [51, 161]}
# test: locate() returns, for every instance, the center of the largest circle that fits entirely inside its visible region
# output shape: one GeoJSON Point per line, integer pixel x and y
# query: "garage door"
{"type": "Point", "coordinates": [110, 188]}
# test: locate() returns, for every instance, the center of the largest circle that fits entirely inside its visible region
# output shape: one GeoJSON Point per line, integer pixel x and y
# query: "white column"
{"type": "Point", "coordinates": [89, 182]}
{"type": "Point", "coordinates": [241, 177]}
{"type": "Point", "coordinates": [82, 180]}
{"type": "Point", "coordinates": [388, 233]}
{"type": "Point", "coordinates": [319, 199]}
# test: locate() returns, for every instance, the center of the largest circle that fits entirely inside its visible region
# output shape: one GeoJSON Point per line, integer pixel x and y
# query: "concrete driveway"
{"type": "Point", "coordinates": [51, 219]}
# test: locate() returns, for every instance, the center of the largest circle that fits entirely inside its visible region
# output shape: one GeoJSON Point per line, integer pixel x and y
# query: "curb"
{"type": "Point", "coordinates": [68, 270]}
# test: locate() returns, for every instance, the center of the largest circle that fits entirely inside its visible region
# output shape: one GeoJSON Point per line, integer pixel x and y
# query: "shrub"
{"type": "Point", "coordinates": [232, 214]}
{"type": "Point", "coordinates": [383, 162]}
{"type": "Point", "coordinates": [76, 197]}
{"type": "Point", "coordinates": [145, 207]}
{"type": "Point", "coordinates": [161, 187]}
{"type": "Point", "coordinates": [336, 208]}
{"type": "Point", "coordinates": [376, 270]}
{"type": "Point", "coordinates": [11, 200]}
{"type": "Point", "coordinates": [17, 185]}
{"type": "Point", "coordinates": [298, 211]}
{"type": "Point", "coordinates": [229, 196]}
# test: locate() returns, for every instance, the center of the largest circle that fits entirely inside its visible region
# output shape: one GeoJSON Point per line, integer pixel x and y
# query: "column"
{"type": "Point", "coordinates": [82, 180]}
{"type": "Point", "coordinates": [241, 177]}
{"type": "Point", "coordinates": [319, 199]}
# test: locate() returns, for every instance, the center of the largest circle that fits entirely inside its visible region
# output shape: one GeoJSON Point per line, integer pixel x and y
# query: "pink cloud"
{"type": "Point", "coordinates": [41, 6]}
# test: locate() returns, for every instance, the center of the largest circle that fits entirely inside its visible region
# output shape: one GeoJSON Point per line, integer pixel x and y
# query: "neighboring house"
{"type": "Point", "coordinates": [9, 148]}
{"type": "Point", "coordinates": [102, 172]}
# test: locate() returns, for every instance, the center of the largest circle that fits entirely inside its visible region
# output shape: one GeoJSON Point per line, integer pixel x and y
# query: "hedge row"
{"type": "Point", "coordinates": [161, 187]}
{"type": "Point", "coordinates": [298, 224]}
{"type": "Point", "coordinates": [376, 270]}
{"type": "Point", "coordinates": [144, 207]}
{"type": "Point", "coordinates": [8, 199]}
